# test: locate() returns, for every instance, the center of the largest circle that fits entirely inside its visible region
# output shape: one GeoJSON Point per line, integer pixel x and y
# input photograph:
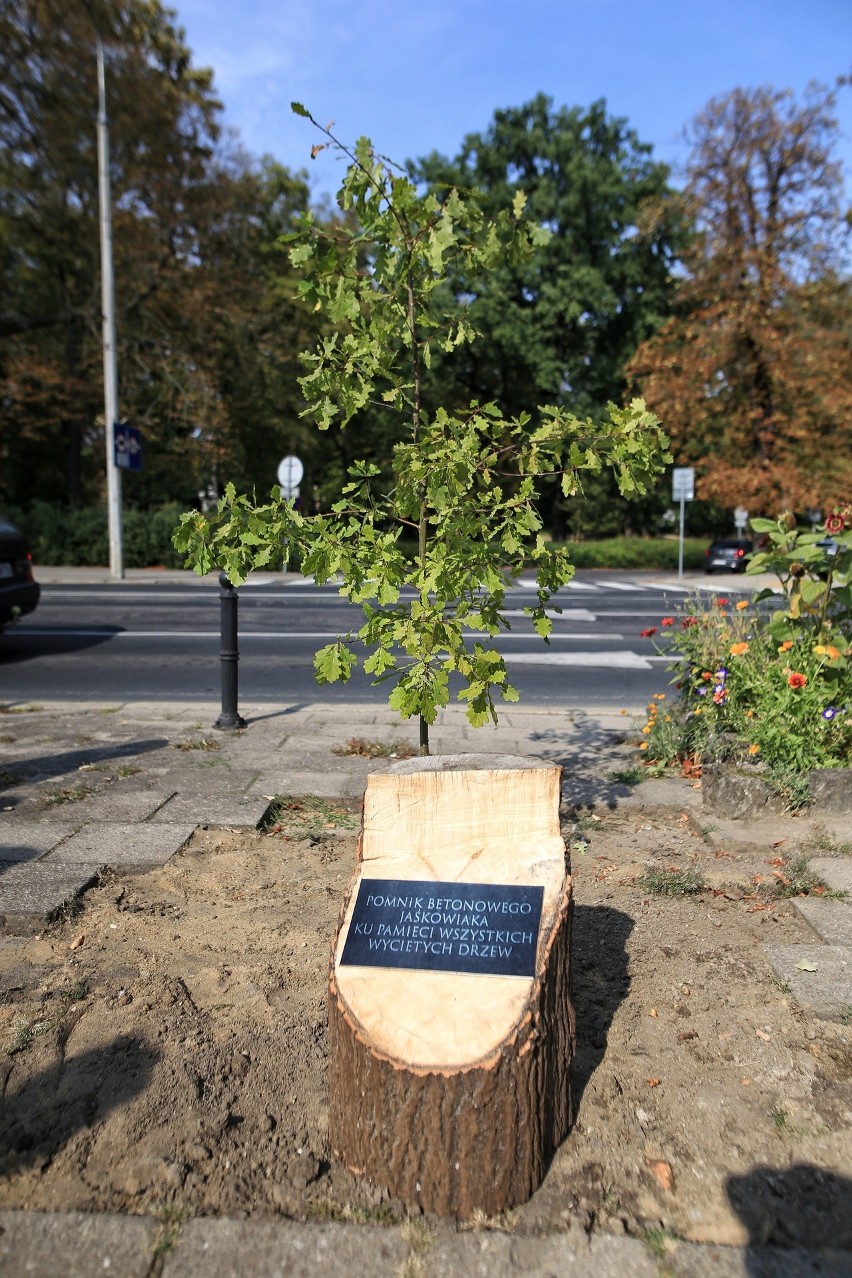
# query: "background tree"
{"type": "Point", "coordinates": [207, 324]}
{"type": "Point", "coordinates": [561, 327]}
{"type": "Point", "coordinates": [753, 370]}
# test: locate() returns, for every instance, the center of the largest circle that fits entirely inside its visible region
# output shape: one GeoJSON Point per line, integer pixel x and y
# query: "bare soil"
{"type": "Point", "coordinates": [164, 1049]}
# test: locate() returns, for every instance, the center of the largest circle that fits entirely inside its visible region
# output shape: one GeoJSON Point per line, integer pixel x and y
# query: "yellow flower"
{"type": "Point", "coordinates": [643, 745]}
{"type": "Point", "coordinates": [742, 603]}
{"type": "Point", "coordinates": [827, 650]}
{"type": "Point", "coordinates": [646, 730]}
{"type": "Point", "coordinates": [737, 649]}
{"type": "Point", "coordinates": [659, 696]}
{"type": "Point", "coordinates": [753, 749]}
{"type": "Point", "coordinates": [698, 711]}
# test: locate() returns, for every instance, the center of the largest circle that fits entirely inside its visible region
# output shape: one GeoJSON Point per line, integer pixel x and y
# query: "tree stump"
{"type": "Point", "coordinates": [451, 1089]}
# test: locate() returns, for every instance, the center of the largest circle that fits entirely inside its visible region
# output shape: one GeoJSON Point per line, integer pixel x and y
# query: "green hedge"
{"type": "Point", "coordinates": [660, 553]}
{"type": "Point", "coordinates": [63, 537]}
{"type": "Point", "coordinates": [59, 536]}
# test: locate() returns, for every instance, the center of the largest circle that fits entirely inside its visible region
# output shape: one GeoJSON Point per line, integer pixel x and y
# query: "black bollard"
{"type": "Point", "coordinates": [229, 655]}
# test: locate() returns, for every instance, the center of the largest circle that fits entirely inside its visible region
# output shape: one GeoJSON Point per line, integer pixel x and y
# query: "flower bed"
{"type": "Point", "coordinates": [768, 686]}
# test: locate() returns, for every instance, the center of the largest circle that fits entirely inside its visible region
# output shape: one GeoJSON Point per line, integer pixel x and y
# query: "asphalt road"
{"type": "Point", "coordinates": [140, 641]}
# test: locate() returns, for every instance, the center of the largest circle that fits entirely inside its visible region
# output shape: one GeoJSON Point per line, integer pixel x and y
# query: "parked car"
{"type": "Point", "coordinates": [728, 555]}
{"type": "Point", "coordinates": [19, 593]}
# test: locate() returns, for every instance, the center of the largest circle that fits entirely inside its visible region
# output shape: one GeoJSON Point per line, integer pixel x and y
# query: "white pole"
{"type": "Point", "coordinates": [116, 560]}
{"type": "Point", "coordinates": [680, 540]}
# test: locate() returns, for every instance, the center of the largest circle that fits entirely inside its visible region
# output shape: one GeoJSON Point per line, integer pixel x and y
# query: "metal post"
{"type": "Point", "coordinates": [680, 539]}
{"type": "Point", "coordinates": [116, 557]}
{"type": "Point", "coordinates": [229, 656]}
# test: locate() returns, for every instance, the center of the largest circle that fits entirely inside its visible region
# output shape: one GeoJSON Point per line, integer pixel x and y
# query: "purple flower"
{"type": "Point", "coordinates": [721, 674]}
{"type": "Point", "coordinates": [720, 687]}
{"type": "Point", "coordinates": [702, 692]}
{"type": "Point", "coordinates": [829, 712]}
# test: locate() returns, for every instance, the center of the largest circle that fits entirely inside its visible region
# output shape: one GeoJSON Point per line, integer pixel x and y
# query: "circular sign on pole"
{"type": "Point", "coordinates": [740, 518]}
{"type": "Point", "coordinates": [290, 472]}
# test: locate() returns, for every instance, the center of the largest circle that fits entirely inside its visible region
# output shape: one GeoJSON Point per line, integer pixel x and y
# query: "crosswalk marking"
{"type": "Point", "coordinates": [623, 660]}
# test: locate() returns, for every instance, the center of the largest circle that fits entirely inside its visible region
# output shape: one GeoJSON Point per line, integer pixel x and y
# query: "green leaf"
{"type": "Point", "coordinates": [298, 109]}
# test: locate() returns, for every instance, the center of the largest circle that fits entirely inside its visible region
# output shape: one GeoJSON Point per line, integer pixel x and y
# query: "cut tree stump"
{"type": "Point", "coordinates": [451, 1090]}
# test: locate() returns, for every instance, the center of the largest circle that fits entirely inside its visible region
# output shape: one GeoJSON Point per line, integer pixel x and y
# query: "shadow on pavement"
{"type": "Point", "coordinates": [26, 645]}
{"type": "Point", "coordinates": [600, 984]}
{"type": "Point", "coordinates": [582, 788]}
{"type": "Point", "coordinates": [43, 767]}
{"type": "Point", "coordinates": [802, 1206]}
{"type": "Point", "coordinates": [42, 1112]}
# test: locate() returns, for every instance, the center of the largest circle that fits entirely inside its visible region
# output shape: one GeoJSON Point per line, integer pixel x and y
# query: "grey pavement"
{"type": "Point", "coordinates": [84, 786]}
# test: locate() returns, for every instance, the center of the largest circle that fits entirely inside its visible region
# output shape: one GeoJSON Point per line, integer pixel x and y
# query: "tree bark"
{"type": "Point", "coordinates": [452, 1091]}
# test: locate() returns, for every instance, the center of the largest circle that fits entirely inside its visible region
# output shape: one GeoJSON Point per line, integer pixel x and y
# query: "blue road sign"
{"type": "Point", "coordinates": [128, 447]}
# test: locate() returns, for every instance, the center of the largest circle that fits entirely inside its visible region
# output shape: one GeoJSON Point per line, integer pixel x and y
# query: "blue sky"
{"type": "Point", "coordinates": [419, 76]}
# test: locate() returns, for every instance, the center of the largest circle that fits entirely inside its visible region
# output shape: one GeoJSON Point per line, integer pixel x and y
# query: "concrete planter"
{"type": "Point", "coordinates": [740, 790]}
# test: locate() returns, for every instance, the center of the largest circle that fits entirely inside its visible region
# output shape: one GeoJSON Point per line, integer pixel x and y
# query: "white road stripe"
{"type": "Point", "coordinates": [603, 660]}
{"type": "Point", "coordinates": [48, 633]}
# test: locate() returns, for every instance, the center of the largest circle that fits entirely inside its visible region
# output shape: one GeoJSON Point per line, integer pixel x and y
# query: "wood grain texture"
{"type": "Point", "coordinates": [452, 1091]}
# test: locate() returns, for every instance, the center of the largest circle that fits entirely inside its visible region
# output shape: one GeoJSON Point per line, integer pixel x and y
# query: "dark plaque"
{"type": "Point", "coordinates": [487, 928]}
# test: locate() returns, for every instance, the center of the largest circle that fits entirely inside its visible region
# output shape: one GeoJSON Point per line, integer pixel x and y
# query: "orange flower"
{"type": "Point", "coordinates": [643, 745]}
{"type": "Point", "coordinates": [742, 603]}
{"type": "Point", "coordinates": [753, 749]}
{"type": "Point", "coordinates": [737, 649]}
{"type": "Point", "coordinates": [785, 646]}
{"type": "Point", "coordinates": [827, 650]}
{"type": "Point", "coordinates": [797, 680]}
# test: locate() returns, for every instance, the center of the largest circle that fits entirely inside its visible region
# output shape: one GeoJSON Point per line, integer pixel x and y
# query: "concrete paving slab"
{"type": "Point", "coordinates": [835, 871]}
{"type": "Point", "coordinates": [135, 847]}
{"type": "Point", "coordinates": [30, 892]}
{"type": "Point", "coordinates": [75, 1245]}
{"type": "Point", "coordinates": [827, 990]}
{"type": "Point", "coordinates": [788, 832]}
{"type": "Point", "coordinates": [117, 805]}
{"type": "Point", "coordinates": [831, 920]}
{"type": "Point", "coordinates": [490, 1254]}
{"type": "Point", "coordinates": [692, 1261]}
{"type": "Point", "coordinates": [22, 840]}
{"type": "Point", "coordinates": [223, 1248]}
{"type": "Point", "coordinates": [206, 808]}
{"type": "Point", "coordinates": [332, 784]}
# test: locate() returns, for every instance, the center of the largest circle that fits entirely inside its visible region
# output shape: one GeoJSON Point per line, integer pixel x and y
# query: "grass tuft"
{"type": "Point", "coordinates": [674, 882]}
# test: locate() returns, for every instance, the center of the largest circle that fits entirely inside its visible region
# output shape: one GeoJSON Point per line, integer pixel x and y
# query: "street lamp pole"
{"type": "Point", "coordinates": [116, 559]}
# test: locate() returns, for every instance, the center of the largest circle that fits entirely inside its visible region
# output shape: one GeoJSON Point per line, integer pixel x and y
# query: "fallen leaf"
{"type": "Point", "coordinates": [778, 843]}
{"type": "Point", "coordinates": [781, 877]}
{"type": "Point", "coordinates": [776, 860]}
{"type": "Point", "coordinates": [662, 1171]}
{"type": "Point", "coordinates": [767, 1038]}
{"type": "Point", "coordinates": [653, 1012]}
{"type": "Point", "coordinates": [77, 942]}
{"type": "Point", "coordinates": [805, 965]}
{"type": "Point", "coordinates": [653, 1082]}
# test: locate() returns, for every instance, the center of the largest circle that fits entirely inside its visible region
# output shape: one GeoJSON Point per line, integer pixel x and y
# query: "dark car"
{"type": "Point", "coordinates": [19, 594]}
{"type": "Point", "coordinates": [728, 555]}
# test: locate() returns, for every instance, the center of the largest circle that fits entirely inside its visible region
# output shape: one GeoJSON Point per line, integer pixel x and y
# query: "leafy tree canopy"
{"type": "Point", "coordinates": [753, 371]}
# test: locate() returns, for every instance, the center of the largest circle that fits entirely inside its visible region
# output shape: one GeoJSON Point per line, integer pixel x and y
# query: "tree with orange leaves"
{"type": "Point", "coordinates": [751, 375]}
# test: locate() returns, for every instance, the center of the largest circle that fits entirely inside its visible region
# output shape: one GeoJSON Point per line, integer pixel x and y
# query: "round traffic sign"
{"type": "Point", "coordinates": [290, 472]}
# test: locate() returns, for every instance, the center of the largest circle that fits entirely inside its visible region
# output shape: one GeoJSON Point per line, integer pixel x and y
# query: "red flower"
{"type": "Point", "coordinates": [835, 524]}
{"type": "Point", "coordinates": [646, 634]}
{"type": "Point", "coordinates": [797, 680]}
{"type": "Point", "coordinates": [667, 621]}
{"type": "Point", "coordinates": [687, 622]}
{"type": "Point", "coordinates": [721, 601]}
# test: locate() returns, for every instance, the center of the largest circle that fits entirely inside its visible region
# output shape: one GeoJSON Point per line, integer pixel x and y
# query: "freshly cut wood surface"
{"type": "Point", "coordinates": [453, 1090]}
{"type": "Point", "coordinates": [467, 823]}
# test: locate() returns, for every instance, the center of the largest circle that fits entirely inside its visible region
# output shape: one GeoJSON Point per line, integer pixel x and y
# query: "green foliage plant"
{"type": "Point", "coordinates": [770, 687]}
{"type": "Point", "coordinates": [462, 478]}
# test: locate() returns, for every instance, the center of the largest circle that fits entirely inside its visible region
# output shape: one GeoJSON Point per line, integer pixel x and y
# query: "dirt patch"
{"type": "Point", "coordinates": [165, 1049]}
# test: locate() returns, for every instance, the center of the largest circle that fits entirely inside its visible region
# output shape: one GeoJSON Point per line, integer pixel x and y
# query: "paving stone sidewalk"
{"type": "Point", "coordinates": [83, 786]}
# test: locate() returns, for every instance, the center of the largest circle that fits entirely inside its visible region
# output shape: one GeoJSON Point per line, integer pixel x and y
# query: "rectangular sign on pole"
{"type": "Point", "coordinates": [683, 483]}
{"type": "Point", "coordinates": [128, 447]}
